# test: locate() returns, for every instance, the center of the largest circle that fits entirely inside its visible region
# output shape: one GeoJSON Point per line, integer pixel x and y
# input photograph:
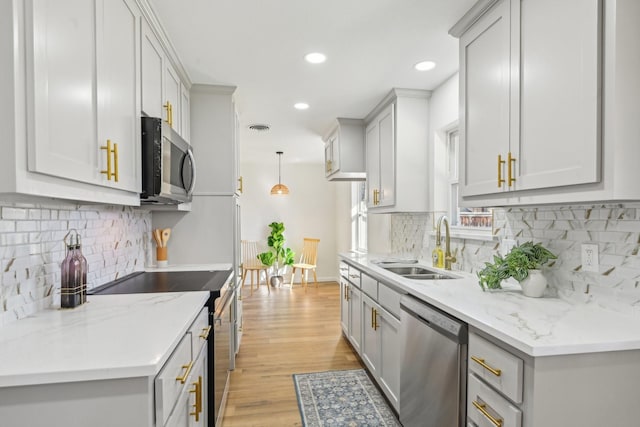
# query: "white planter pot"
{"type": "Point", "coordinates": [534, 285]}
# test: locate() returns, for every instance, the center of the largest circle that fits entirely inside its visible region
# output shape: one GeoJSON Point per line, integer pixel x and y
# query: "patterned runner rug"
{"type": "Point", "coordinates": [341, 398]}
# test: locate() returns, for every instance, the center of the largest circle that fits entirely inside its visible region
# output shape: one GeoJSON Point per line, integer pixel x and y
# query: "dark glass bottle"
{"type": "Point", "coordinates": [70, 276]}
{"type": "Point", "coordinates": [83, 272]}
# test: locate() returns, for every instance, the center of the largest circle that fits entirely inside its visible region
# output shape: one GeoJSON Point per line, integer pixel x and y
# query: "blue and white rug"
{"type": "Point", "coordinates": [341, 398]}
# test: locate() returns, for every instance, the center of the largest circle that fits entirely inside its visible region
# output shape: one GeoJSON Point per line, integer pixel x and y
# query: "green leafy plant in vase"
{"type": "Point", "coordinates": [523, 263]}
{"type": "Point", "coordinates": [278, 256]}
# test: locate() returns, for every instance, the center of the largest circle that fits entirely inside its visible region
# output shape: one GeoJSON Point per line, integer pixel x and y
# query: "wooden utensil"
{"type": "Point", "coordinates": [166, 233]}
{"type": "Point", "coordinates": [157, 237]}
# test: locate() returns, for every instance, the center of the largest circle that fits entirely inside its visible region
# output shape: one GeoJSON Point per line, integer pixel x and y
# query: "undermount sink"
{"type": "Point", "coordinates": [417, 273]}
{"type": "Point", "coordinates": [409, 270]}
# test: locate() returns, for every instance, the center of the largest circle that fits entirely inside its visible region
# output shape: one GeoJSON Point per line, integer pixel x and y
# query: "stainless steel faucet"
{"type": "Point", "coordinates": [448, 258]}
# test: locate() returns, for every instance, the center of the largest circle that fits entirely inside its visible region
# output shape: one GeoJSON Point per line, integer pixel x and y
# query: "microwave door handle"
{"type": "Point", "coordinates": [193, 172]}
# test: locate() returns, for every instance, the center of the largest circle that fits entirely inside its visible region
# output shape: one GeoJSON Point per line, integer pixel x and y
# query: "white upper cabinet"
{"type": "Point", "coordinates": [73, 93]}
{"type": "Point", "coordinates": [484, 129]}
{"type": "Point", "coordinates": [397, 155]}
{"type": "Point", "coordinates": [164, 86]}
{"type": "Point", "coordinates": [152, 72]}
{"type": "Point", "coordinates": [61, 101]}
{"type": "Point", "coordinates": [559, 93]}
{"type": "Point", "coordinates": [185, 112]}
{"type": "Point", "coordinates": [344, 151]}
{"type": "Point", "coordinates": [172, 96]}
{"type": "Point", "coordinates": [214, 139]}
{"type": "Point", "coordinates": [118, 81]}
{"type": "Point", "coordinates": [78, 100]}
{"type": "Point", "coordinates": [535, 80]}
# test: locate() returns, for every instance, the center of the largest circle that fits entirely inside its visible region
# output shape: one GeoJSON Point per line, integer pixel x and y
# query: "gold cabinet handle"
{"type": "Point", "coordinates": [482, 408]}
{"type": "Point", "coordinates": [511, 161]}
{"type": "Point", "coordinates": [115, 162]}
{"type": "Point", "coordinates": [500, 163]}
{"type": "Point", "coordinates": [376, 194]}
{"type": "Point", "coordinates": [187, 371]}
{"type": "Point", "coordinates": [205, 332]}
{"type": "Point", "coordinates": [371, 317]}
{"type": "Point", "coordinates": [167, 106]}
{"type": "Point", "coordinates": [329, 165]}
{"type": "Point", "coordinates": [481, 362]}
{"type": "Point", "coordinates": [197, 406]}
{"type": "Point", "coordinates": [375, 320]}
{"type": "Point", "coordinates": [109, 149]}
{"type": "Point", "coordinates": [240, 188]}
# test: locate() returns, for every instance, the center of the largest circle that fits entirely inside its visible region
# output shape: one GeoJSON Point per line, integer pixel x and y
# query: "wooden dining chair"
{"type": "Point", "coordinates": [251, 263]}
{"type": "Point", "coordinates": [307, 262]}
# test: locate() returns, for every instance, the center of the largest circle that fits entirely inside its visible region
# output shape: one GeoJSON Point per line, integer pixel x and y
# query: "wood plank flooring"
{"type": "Point", "coordinates": [286, 332]}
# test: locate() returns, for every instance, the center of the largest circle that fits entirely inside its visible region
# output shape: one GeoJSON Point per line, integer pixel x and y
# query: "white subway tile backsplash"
{"type": "Point", "coordinates": [32, 248]}
{"type": "Point", "coordinates": [14, 213]}
{"type": "Point", "coordinates": [563, 229]}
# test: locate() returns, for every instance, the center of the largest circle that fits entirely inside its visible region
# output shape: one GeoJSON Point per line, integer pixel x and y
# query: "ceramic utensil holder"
{"type": "Point", "coordinates": [161, 256]}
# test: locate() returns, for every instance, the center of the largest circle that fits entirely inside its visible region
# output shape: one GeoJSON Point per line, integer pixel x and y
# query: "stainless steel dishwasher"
{"type": "Point", "coordinates": [434, 366]}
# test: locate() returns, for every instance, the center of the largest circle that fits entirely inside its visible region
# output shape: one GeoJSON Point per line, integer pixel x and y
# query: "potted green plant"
{"type": "Point", "coordinates": [523, 263]}
{"type": "Point", "coordinates": [278, 256]}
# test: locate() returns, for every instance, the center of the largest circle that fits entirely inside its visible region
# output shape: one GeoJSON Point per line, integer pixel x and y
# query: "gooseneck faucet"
{"type": "Point", "coordinates": [448, 258]}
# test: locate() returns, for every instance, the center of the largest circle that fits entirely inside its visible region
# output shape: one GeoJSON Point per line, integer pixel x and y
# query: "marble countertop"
{"type": "Point", "coordinates": [547, 326]}
{"type": "Point", "coordinates": [110, 336]}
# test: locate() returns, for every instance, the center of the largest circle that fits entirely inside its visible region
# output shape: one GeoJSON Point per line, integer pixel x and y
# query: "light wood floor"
{"type": "Point", "coordinates": [286, 332]}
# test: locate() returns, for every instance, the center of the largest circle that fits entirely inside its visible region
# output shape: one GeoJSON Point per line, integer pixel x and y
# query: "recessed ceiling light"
{"type": "Point", "coordinates": [315, 57]}
{"type": "Point", "coordinates": [301, 106]}
{"type": "Point", "coordinates": [425, 66]}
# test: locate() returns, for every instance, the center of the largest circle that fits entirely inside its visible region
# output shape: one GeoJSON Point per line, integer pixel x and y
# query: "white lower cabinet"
{"type": "Point", "coordinates": [508, 388]}
{"type": "Point", "coordinates": [381, 347]}
{"type": "Point", "coordinates": [175, 396]}
{"type": "Point", "coordinates": [350, 312]}
{"type": "Point", "coordinates": [190, 409]}
{"type": "Point", "coordinates": [368, 320]}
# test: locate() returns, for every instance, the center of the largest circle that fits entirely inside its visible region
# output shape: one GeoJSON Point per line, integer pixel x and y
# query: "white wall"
{"type": "Point", "coordinates": [443, 116]}
{"type": "Point", "coordinates": [343, 215]}
{"type": "Point", "coordinates": [308, 211]}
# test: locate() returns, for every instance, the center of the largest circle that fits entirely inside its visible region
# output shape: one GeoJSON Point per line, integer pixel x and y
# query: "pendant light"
{"type": "Point", "coordinates": [279, 188]}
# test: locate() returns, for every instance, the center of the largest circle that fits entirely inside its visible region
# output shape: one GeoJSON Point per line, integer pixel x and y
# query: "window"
{"type": "Point", "coordinates": [467, 218]}
{"type": "Point", "coordinates": [358, 217]}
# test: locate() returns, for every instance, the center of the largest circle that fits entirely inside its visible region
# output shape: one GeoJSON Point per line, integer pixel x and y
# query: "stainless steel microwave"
{"type": "Point", "coordinates": [168, 165]}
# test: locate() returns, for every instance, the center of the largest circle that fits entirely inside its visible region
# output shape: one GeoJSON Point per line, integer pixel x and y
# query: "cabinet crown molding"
{"type": "Point", "coordinates": [394, 94]}
{"type": "Point", "coordinates": [472, 15]}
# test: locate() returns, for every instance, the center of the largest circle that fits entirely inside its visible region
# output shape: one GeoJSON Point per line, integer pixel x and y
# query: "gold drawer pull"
{"type": "Point", "coordinates": [500, 178]}
{"type": "Point", "coordinates": [481, 362]}
{"type": "Point", "coordinates": [197, 407]}
{"type": "Point", "coordinates": [481, 407]}
{"type": "Point", "coordinates": [511, 165]}
{"type": "Point", "coordinates": [187, 371]}
{"type": "Point", "coordinates": [205, 332]}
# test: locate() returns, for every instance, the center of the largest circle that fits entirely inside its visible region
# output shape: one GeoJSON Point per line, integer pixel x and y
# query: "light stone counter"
{"type": "Point", "coordinates": [109, 337]}
{"type": "Point", "coordinates": [547, 326]}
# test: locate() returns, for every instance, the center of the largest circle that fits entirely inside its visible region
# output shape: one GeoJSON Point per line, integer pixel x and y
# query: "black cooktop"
{"type": "Point", "coordinates": [166, 281]}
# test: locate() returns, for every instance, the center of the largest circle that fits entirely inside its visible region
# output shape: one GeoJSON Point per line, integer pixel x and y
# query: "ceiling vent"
{"type": "Point", "coordinates": [259, 128]}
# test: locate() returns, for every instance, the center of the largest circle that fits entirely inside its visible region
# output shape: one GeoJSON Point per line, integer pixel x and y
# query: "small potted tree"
{"type": "Point", "coordinates": [523, 263]}
{"type": "Point", "coordinates": [278, 256]}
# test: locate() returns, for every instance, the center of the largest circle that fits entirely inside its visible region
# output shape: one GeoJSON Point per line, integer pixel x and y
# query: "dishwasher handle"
{"type": "Point", "coordinates": [435, 319]}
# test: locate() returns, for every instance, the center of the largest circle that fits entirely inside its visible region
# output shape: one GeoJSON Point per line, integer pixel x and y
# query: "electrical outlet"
{"type": "Point", "coordinates": [506, 246]}
{"type": "Point", "coordinates": [590, 257]}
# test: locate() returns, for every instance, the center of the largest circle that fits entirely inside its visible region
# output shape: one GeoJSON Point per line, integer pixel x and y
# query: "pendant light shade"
{"type": "Point", "coordinates": [279, 188]}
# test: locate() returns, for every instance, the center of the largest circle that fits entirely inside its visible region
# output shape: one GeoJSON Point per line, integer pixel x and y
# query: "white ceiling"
{"type": "Point", "coordinates": [259, 45]}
